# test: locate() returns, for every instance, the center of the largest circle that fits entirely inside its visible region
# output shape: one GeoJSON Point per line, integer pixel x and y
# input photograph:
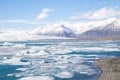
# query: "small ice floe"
{"type": "Point", "coordinates": [62, 51]}
{"type": "Point", "coordinates": [22, 69]}
{"type": "Point", "coordinates": [34, 49]}
{"type": "Point", "coordinates": [10, 74]}
{"type": "Point", "coordinates": [15, 61]}
{"type": "Point", "coordinates": [7, 44]}
{"type": "Point", "coordinates": [28, 54]}
{"type": "Point", "coordinates": [65, 74]}
{"type": "Point", "coordinates": [21, 53]}
{"type": "Point", "coordinates": [43, 52]}
{"type": "Point", "coordinates": [83, 72]}
{"type": "Point", "coordinates": [37, 78]}
{"type": "Point", "coordinates": [20, 45]}
{"type": "Point", "coordinates": [5, 58]}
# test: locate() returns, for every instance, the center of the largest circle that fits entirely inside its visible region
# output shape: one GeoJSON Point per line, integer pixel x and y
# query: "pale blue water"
{"type": "Point", "coordinates": [52, 57]}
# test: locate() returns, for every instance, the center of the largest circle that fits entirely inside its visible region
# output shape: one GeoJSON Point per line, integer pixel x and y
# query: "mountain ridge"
{"type": "Point", "coordinates": [54, 30]}
{"type": "Point", "coordinates": [110, 30]}
{"type": "Point", "coordinates": [105, 28]}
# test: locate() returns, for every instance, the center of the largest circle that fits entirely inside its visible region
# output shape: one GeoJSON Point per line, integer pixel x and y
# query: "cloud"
{"type": "Point", "coordinates": [23, 21]}
{"type": "Point", "coordinates": [103, 13]}
{"type": "Point", "coordinates": [44, 13]}
{"type": "Point", "coordinates": [13, 21]}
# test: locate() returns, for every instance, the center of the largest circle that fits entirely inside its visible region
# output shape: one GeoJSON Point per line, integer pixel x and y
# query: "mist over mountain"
{"type": "Point", "coordinates": [110, 30]}
{"type": "Point", "coordinates": [96, 29]}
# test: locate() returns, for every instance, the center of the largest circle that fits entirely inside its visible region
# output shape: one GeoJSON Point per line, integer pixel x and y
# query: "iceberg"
{"type": "Point", "coordinates": [7, 44]}
{"type": "Point", "coordinates": [38, 78]}
{"type": "Point", "coordinates": [64, 74]}
{"type": "Point", "coordinates": [15, 61]}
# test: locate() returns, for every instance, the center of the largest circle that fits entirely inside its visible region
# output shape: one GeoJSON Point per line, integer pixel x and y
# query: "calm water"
{"type": "Point", "coordinates": [54, 59]}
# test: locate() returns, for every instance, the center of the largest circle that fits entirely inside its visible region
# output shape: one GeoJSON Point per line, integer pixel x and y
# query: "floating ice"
{"type": "Point", "coordinates": [43, 52]}
{"type": "Point", "coordinates": [64, 74]}
{"type": "Point", "coordinates": [35, 49]}
{"type": "Point", "coordinates": [10, 74]}
{"type": "Point", "coordinates": [37, 78]}
{"type": "Point", "coordinates": [15, 61]}
{"type": "Point", "coordinates": [95, 49]}
{"type": "Point", "coordinates": [83, 72]}
{"type": "Point", "coordinates": [20, 45]}
{"type": "Point", "coordinates": [22, 69]}
{"type": "Point", "coordinates": [42, 62]}
{"type": "Point", "coordinates": [7, 44]}
{"type": "Point", "coordinates": [5, 58]}
{"type": "Point", "coordinates": [64, 51]}
{"type": "Point", "coordinates": [28, 54]}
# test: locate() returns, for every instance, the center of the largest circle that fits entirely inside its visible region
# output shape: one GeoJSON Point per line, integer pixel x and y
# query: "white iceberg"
{"type": "Point", "coordinates": [15, 61]}
{"type": "Point", "coordinates": [64, 74]}
{"type": "Point", "coordinates": [37, 78]}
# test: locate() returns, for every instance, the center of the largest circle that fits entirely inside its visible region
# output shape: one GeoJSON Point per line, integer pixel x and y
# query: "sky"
{"type": "Point", "coordinates": [35, 13]}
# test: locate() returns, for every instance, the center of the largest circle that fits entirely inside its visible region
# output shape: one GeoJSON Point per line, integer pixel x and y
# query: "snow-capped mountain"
{"type": "Point", "coordinates": [54, 30]}
{"type": "Point", "coordinates": [93, 29]}
{"type": "Point", "coordinates": [81, 27]}
{"type": "Point", "coordinates": [110, 30]}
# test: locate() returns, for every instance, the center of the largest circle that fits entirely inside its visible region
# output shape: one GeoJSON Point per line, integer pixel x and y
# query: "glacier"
{"type": "Point", "coordinates": [108, 28]}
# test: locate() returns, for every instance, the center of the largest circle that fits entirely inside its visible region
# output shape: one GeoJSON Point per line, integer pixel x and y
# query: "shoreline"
{"type": "Point", "coordinates": [110, 69]}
